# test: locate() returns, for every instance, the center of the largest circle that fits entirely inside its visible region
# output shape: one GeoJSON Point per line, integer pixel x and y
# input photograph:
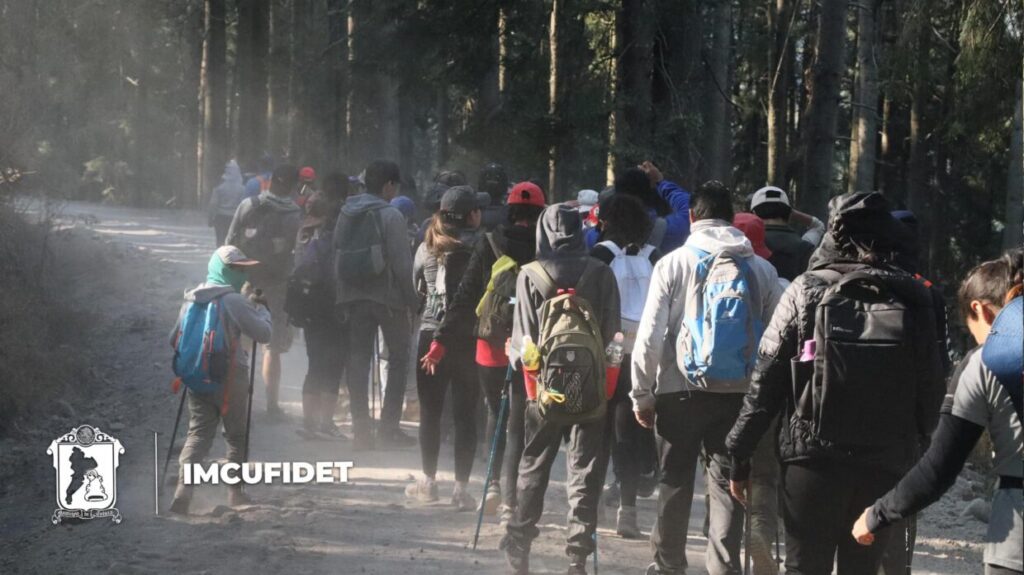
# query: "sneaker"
{"type": "Point", "coordinates": [394, 439]}
{"type": "Point", "coordinates": [647, 484]}
{"type": "Point", "coordinates": [517, 555]}
{"type": "Point", "coordinates": [332, 431]}
{"type": "Point", "coordinates": [423, 490]}
{"type": "Point", "coordinates": [493, 499]}
{"type": "Point", "coordinates": [626, 525]}
{"type": "Point", "coordinates": [461, 498]}
{"type": "Point", "coordinates": [505, 513]}
{"type": "Point", "coordinates": [611, 494]}
{"type": "Point", "coordinates": [182, 499]}
{"type": "Point", "coordinates": [577, 567]}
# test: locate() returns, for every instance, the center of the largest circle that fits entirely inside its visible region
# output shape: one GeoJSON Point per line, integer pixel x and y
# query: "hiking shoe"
{"type": "Point", "coordinates": [652, 569]}
{"type": "Point", "coordinates": [423, 490]}
{"type": "Point", "coordinates": [492, 501]}
{"type": "Point", "coordinates": [647, 484]}
{"type": "Point", "coordinates": [505, 513]}
{"type": "Point", "coordinates": [461, 498]}
{"type": "Point", "coordinates": [517, 555]}
{"type": "Point", "coordinates": [577, 566]}
{"type": "Point", "coordinates": [626, 525]}
{"type": "Point", "coordinates": [394, 439]}
{"type": "Point", "coordinates": [332, 431]}
{"type": "Point", "coordinates": [276, 415]}
{"type": "Point", "coordinates": [237, 497]}
{"type": "Point", "coordinates": [182, 499]}
{"type": "Point", "coordinates": [611, 494]}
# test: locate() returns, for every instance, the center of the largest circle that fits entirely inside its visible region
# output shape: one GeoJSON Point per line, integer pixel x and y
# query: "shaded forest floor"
{"type": "Point", "coordinates": [128, 268]}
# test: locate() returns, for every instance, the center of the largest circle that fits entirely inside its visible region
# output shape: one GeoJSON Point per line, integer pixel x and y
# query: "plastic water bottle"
{"type": "Point", "coordinates": [530, 355]}
{"type": "Point", "coordinates": [615, 350]}
{"type": "Point", "coordinates": [809, 349]}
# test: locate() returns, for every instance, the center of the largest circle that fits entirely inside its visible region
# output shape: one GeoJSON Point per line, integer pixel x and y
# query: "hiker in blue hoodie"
{"type": "Point", "coordinates": [224, 201]}
{"type": "Point", "coordinates": [375, 291]}
{"type": "Point", "coordinates": [244, 316]}
{"type": "Point", "coordinates": [667, 203]}
{"type": "Point", "coordinates": [260, 182]}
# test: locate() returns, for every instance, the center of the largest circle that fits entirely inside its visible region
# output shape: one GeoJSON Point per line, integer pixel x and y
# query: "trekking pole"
{"type": "Point", "coordinates": [911, 534]}
{"type": "Point", "coordinates": [375, 378]}
{"type": "Point", "coordinates": [174, 434]}
{"type": "Point", "coordinates": [499, 427]}
{"type": "Point", "coordinates": [597, 568]}
{"type": "Point", "coordinates": [747, 532]}
{"type": "Point", "coordinates": [248, 415]}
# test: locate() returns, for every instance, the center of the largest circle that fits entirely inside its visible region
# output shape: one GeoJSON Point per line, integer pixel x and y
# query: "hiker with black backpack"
{"type": "Point", "coordinates": [791, 250]}
{"type": "Point", "coordinates": [851, 363]}
{"type": "Point", "coordinates": [566, 318]}
{"type": "Point", "coordinates": [494, 182]}
{"type": "Point", "coordinates": [483, 308]}
{"type": "Point", "coordinates": [265, 227]}
{"type": "Point", "coordinates": [695, 349]}
{"type": "Point", "coordinates": [987, 395]}
{"type": "Point", "coordinates": [439, 264]}
{"type": "Point", "coordinates": [625, 227]}
{"type": "Point", "coordinates": [211, 360]}
{"type": "Point", "coordinates": [375, 291]}
{"type": "Point", "coordinates": [310, 306]}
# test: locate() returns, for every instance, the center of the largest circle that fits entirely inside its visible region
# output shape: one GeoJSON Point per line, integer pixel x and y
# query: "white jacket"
{"type": "Point", "coordinates": [654, 366]}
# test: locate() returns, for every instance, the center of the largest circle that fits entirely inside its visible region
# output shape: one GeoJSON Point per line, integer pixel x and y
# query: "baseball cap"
{"type": "Point", "coordinates": [404, 205]}
{"type": "Point", "coordinates": [463, 199]}
{"type": "Point", "coordinates": [526, 193]}
{"type": "Point", "coordinates": [307, 174]}
{"type": "Point", "coordinates": [769, 195]}
{"type": "Point", "coordinates": [586, 199]}
{"type": "Point", "coordinates": [233, 256]}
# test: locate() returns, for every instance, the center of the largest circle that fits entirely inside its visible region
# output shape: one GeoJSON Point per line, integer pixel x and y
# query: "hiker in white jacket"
{"type": "Point", "coordinates": [688, 412]}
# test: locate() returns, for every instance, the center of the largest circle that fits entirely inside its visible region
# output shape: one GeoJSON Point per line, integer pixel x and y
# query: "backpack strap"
{"type": "Point", "coordinates": [541, 278]}
{"type": "Point", "coordinates": [494, 245]}
{"type": "Point", "coordinates": [658, 232]}
{"type": "Point", "coordinates": [646, 251]}
{"type": "Point", "coordinates": [612, 247]}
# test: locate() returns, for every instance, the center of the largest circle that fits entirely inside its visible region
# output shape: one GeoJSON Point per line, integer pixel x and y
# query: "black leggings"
{"type": "Point", "coordinates": [456, 372]}
{"type": "Point", "coordinates": [821, 501]}
{"type": "Point", "coordinates": [632, 448]}
{"type": "Point", "coordinates": [325, 348]}
{"type": "Point", "coordinates": [510, 448]}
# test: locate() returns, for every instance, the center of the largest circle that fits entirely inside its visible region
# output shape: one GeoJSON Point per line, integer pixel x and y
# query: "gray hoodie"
{"type": "Point", "coordinates": [654, 359]}
{"type": "Point", "coordinates": [225, 197]}
{"type": "Point", "coordinates": [394, 287]}
{"type": "Point", "coordinates": [243, 317]}
{"type": "Point", "coordinates": [243, 226]}
{"type": "Point", "coordinates": [562, 251]}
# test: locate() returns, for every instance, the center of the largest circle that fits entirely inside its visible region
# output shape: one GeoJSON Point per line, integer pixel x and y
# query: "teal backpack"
{"type": "Point", "coordinates": [202, 348]}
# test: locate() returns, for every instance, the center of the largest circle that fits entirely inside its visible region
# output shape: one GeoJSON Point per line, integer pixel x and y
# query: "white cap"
{"type": "Point", "coordinates": [233, 256]}
{"type": "Point", "coordinates": [587, 199]}
{"type": "Point", "coordinates": [769, 195]}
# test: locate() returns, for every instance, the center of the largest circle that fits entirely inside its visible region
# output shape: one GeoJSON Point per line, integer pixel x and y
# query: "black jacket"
{"type": "Point", "coordinates": [460, 319]}
{"type": "Point", "coordinates": [790, 252]}
{"type": "Point", "coordinates": [771, 388]}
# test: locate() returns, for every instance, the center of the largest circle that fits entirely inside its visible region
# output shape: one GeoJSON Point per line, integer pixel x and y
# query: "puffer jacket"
{"type": "Point", "coordinates": [771, 387]}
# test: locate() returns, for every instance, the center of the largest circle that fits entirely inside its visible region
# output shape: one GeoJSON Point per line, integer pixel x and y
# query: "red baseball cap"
{"type": "Point", "coordinates": [307, 174]}
{"type": "Point", "coordinates": [526, 193]}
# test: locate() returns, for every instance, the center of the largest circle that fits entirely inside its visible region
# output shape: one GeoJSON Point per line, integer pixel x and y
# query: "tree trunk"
{"type": "Point", "coordinates": [214, 83]}
{"type": "Point", "coordinates": [253, 29]}
{"type": "Point", "coordinates": [442, 125]}
{"type": "Point", "coordinates": [279, 77]}
{"type": "Point", "coordinates": [718, 134]}
{"type": "Point", "coordinates": [633, 121]}
{"type": "Point", "coordinates": [554, 95]}
{"type": "Point", "coordinates": [1013, 233]}
{"type": "Point", "coordinates": [337, 54]}
{"type": "Point", "coordinates": [780, 75]}
{"type": "Point", "coordinates": [863, 146]}
{"type": "Point", "coordinates": [823, 107]}
{"type": "Point", "coordinates": [917, 169]}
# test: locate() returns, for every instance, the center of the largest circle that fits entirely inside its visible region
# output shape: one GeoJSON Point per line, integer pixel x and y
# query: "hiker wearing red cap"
{"type": "Point", "coordinates": [307, 186]}
{"type": "Point", "coordinates": [481, 307]}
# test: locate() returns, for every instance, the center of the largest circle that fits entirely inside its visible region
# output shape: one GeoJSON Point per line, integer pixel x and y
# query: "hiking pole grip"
{"type": "Point", "coordinates": [499, 427]}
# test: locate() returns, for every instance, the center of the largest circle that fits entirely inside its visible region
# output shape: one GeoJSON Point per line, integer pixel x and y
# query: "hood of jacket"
{"type": "Point", "coordinates": [278, 203]}
{"type": "Point", "coordinates": [360, 203]}
{"type": "Point", "coordinates": [560, 233]}
{"type": "Point", "coordinates": [862, 229]}
{"type": "Point", "coordinates": [714, 236]}
{"type": "Point", "coordinates": [205, 292]}
{"type": "Point", "coordinates": [520, 242]}
{"type": "Point", "coordinates": [232, 174]}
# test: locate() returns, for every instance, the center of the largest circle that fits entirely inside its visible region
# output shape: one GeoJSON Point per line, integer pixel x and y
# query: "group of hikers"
{"type": "Point", "coordinates": [800, 364]}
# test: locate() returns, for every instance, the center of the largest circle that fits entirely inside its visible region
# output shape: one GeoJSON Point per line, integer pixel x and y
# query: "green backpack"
{"type": "Point", "coordinates": [571, 380]}
{"type": "Point", "coordinates": [494, 312]}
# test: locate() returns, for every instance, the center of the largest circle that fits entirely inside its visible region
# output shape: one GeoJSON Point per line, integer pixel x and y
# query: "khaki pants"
{"type": "Point", "coordinates": [205, 417]}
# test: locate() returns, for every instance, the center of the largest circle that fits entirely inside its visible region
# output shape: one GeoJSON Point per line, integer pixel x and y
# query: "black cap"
{"type": "Point", "coordinates": [460, 200]}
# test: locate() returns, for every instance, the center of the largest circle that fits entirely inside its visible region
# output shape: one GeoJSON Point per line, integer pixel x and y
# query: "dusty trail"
{"type": "Point", "coordinates": [130, 268]}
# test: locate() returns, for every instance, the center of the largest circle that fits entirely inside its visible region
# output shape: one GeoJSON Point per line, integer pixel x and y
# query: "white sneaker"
{"type": "Point", "coordinates": [423, 490]}
{"type": "Point", "coordinates": [461, 498]}
{"type": "Point", "coordinates": [493, 499]}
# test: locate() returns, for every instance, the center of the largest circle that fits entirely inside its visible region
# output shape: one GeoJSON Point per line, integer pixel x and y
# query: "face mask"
{"type": "Point", "coordinates": [219, 273]}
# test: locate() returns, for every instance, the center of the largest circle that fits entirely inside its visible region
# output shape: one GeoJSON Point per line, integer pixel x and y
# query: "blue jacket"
{"type": "Point", "coordinates": [677, 221]}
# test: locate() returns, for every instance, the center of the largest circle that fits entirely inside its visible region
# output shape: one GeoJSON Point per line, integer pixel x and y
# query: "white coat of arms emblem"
{"type": "Point", "coordinates": [86, 461]}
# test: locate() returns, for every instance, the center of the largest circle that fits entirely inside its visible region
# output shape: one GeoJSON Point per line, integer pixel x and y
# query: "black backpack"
{"type": "Point", "coordinates": [861, 388]}
{"type": "Point", "coordinates": [361, 254]}
{"type": "Point", "coordinates": [263, 238]}
{"type": "Point", "coordinates": [310, 291]}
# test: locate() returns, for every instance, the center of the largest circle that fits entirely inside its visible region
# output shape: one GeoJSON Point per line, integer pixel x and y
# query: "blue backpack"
{"type": "Point", "coordinates": [1003, 352]}
{"type": "Point", "coordinates": [722, 325]}
{"type": "Point", "coordinates": [202, 348]}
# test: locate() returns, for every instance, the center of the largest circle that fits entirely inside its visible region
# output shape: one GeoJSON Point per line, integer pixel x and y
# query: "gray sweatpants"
{"type": "Point", "coordinates": [204, 417]}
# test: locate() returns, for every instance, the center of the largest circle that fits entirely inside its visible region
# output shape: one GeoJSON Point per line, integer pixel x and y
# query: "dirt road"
{"type": "Point", "coordinates": [130, 267]}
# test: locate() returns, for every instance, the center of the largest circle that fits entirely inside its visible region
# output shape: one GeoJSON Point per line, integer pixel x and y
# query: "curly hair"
{"type": "Point", "coordinates": [624, 220]}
